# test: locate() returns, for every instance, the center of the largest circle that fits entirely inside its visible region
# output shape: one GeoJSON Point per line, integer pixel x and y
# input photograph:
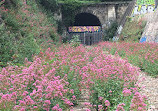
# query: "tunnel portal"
{"type": "Point", "coordinates": [86, 19]}
{"type": "Point", "coordinates": [87, 27]}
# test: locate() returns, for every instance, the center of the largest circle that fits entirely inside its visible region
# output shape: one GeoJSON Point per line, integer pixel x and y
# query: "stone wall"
{"type": "Point", "coordinates": [106, 12]}
{"type": "Point", "coordinates": [120, 10]}
{"type": "Point", "coordinates": [101, 12]}
{"type": "Point", "coordinates": [58, 14]}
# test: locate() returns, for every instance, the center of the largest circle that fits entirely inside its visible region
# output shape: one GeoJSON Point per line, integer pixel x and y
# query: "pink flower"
{"type": "Point", "coordinates": [22, 109]}
{"type": "Point", "coordinates": [47, 102]}
{"type": "Point", "coordinates": [73, 97]}
{"type": "Point", "coordinates": [107, 103]}
{"type": "Point", "coordinates": [140, 109]}
{"type": "Point", "coordinates": [120, 107]}
{"type": "Point", "coordinates": [72, 91]}
{"type": "Point", "coordinates": [25, 93]}
{"type": "Point", "coordinates": [88, 104]}
{"type": "Point", "coordinates": [35, 107]}
{"type": "Point", "coordinates": [110, 91]}
{"type": "Point", "coordinates": [126, 92]}
{"type": "Point", "coordinates": [100, 98]}
{"type": "Point", "coordinates": [55, 108]}
{"type": "Point", "coordinates": [100, 107]}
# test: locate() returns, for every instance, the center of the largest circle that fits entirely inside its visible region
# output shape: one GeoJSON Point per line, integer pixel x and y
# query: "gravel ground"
{"type": "Point", "coordinates": [150, 89]}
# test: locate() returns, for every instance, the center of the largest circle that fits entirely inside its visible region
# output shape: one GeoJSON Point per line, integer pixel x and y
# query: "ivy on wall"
{"type": "Point", "coordinates": [69, 9]}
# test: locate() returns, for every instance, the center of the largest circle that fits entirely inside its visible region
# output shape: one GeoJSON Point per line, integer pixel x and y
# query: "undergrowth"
{"type": "Point", "coordinates": [133, 30]}
{"type": "Point", "coordinates": [25, 25]}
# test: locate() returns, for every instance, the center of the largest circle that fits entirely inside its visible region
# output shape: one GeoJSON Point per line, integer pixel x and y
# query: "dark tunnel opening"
{"type": "Point", "coordinates": [86, 19]}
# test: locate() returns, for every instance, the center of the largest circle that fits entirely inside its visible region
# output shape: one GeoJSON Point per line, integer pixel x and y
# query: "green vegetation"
{"type": "Point", "coordinates": [24, 27]}
{"type": "Point", "coordinates": [53, 77]}
{"type": "Point", "coordinates": [68, 9]}
{"type": "Point", "coordinates": [51, 5]}
{"type": "Point", "coordinates": [109, 34]}
{"type": "Point", "coordinates": [133, 29]}
{"type": "Point", "coordinates": [145, 2]}
{"type": "Point", "coordinates": [91, 1]}
{"type": "Point", "coordinates": [143, 55]}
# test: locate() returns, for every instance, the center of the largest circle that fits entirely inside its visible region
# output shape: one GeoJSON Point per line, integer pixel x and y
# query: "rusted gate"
{"type": "Point", "coordinates": [88, 37]}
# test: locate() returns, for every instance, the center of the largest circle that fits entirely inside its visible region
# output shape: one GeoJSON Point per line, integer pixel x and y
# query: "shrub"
{"type": "Point", "coordinates": [6, 45]}
{"type": "Point", "coordinates": [75, 41]}
{"type": "Point", "coordinates": [133, 30]}
{"type": "Point", "coordinates": [141, 55]}
{"type": "Point", "coordinates": [23, 29]}
{"type": "Point", "coordinates": [110, 31]}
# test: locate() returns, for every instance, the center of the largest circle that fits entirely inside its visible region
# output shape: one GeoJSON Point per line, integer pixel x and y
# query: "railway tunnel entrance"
{"type": "Point", "coordinates": [87, 27]}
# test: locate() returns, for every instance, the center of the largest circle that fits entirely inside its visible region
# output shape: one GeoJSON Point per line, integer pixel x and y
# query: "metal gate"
{"type": "Point", "coordinates": [87, 38]}
{"type": "Point", "coordinates": [88, 35]}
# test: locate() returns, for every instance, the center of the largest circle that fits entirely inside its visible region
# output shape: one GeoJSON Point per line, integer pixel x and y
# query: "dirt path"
{"type": "Point", "coordinates": [83, 99]}
{"type": "Point", "coordinates": [150, 89]}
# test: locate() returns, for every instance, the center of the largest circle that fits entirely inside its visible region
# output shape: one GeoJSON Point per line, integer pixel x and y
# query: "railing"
{"type": "Point", "coordinates": [128, 12]}
{"type": "Point", "coordinates": [87, 38]}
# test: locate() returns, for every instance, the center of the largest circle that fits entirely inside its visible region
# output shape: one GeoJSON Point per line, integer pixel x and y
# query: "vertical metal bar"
{"type": "Point", "coordinates": [84, 38]}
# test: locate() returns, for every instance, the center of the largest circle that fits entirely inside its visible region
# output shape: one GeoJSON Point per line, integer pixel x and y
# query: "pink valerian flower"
{"type": "Point", "coordinates": [126, 92]}
{"type": "Point", "coordinates": [35, 107]}
{"type": "Point", "coordinates": [88, 104]}
{"type": "Point", "coordinates": [107, 103]}
{"type": "Point", "coordinates": [22, 109]}
{"type": "Point", "coordinates": [120, 107]}
{"type": "Point", "coordinates": [47, 102]}
{"type": "Point", "coordinates": [16, 107]}
{"type": "Point", "coordinates": [24, 93]}
{"type": "Point", "coordinates": [140, 109]}
{"type": "Point", "coordinates": [72, 91]}
{"type": "Point", "coordinates": [138, 101]}
{"type": "Point", "coordinates": [73, 97]}
{"type": "Point", "coordinates": [47, 86]}
{"type": "Point", "coordinates": [100, 107]}
{"type": "Point", "coordinates": [66, 101]}
{"type": "Point", "coordinates": [56, 108]}
{"type": "Point", "coordinates": [101, 98]}
{"type": "Point", "coordinates": [110, 91]}
{"type": "Point", "coordinates": [22, 102]}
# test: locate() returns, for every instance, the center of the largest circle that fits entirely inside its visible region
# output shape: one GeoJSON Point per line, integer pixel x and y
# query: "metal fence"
{"type": "Point", "coordinates": [87, 38]}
